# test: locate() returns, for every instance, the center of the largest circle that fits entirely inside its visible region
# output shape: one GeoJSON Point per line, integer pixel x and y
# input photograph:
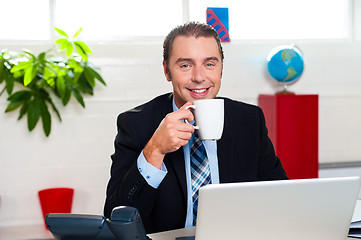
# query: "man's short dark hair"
{"type": "Point", "coordinates": [190, 29]}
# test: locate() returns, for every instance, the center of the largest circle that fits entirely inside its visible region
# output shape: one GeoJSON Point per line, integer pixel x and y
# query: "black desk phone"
{"type": "Point", "coordinates": [124, 224]}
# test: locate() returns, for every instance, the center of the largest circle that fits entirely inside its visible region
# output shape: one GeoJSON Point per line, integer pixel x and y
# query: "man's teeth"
{"type": "Point", "coordinates": [200, 90]}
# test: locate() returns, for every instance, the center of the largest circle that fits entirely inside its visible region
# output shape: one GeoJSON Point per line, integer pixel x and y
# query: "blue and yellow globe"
{"type": "Point", "coordinates": [285, 64]}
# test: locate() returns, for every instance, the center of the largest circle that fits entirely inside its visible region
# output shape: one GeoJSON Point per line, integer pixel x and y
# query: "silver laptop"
{"type": "Point", "coordinates": [306, 209]}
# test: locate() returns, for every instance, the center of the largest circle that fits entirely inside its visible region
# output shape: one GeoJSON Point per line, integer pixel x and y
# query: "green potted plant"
{"type": "Point", "coordinates": [32, 82]}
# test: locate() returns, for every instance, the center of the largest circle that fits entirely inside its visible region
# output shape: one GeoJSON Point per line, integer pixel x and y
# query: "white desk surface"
{"type": "Point", "coordinates": [30, 232]}
{"type": "Point", "coordinates": [38, 232]}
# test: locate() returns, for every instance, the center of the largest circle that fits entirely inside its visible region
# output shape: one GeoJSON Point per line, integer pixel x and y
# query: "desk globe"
{"type": "Point", "coordinates": [285, 65]}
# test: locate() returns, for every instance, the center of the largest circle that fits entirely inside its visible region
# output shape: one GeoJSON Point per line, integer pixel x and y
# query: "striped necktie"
{"type": "Point", "coordinates": [200, 171]}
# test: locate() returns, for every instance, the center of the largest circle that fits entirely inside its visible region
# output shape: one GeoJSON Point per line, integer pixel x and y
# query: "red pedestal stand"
{"type": "Point", "coordinates": [292, 122]}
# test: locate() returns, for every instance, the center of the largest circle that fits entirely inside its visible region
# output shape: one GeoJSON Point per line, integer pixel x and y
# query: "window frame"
{"type": "Point", "coordinates": [354, 32]}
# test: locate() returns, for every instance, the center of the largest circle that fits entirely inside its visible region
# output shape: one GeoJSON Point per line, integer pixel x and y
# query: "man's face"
{"type": "Point", "coordinates": [195, 69]}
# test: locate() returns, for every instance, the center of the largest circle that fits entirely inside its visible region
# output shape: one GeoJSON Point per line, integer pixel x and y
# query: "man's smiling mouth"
{"type": "Point", "coordinates": [199, 90]}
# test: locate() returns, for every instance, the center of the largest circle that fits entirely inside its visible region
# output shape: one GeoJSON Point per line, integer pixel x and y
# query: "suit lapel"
{"type": "Point", "coordinates": [176, 159]}
{"type": "Point", "coordinates": [225, 151]}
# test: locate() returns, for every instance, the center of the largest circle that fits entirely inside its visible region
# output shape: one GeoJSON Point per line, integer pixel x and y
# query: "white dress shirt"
{"type": "Point", "coordinates": [155, 176]}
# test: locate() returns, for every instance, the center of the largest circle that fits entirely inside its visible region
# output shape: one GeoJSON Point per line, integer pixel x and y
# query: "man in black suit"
{"type": "Point", "coordinates": [150, 168]}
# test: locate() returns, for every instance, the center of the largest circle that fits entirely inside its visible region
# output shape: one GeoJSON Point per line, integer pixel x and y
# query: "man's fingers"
{"type": "Point", "coordinates": [186, 136]}
{"type": "Point", "coordinates": [187, 114]}
{"type": "Point", "coordinates": [189, 117]}
{"type": "Point", "coordinates": [186, 127]}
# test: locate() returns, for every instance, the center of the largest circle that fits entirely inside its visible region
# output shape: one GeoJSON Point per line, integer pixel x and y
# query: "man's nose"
{"type": "Point", "coordinates": [198, 74]}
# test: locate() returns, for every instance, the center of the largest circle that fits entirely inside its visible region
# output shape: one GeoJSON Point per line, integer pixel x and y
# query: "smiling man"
{"type": "Point", "coordinates": [151, 163]}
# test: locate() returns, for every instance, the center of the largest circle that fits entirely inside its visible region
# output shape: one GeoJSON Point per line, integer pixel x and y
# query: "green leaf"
{"type": "Point", "coordinates": [18, 75]}
{"type": "Point", "coordinates": [21, 66]}
{"type": "Point", "coordinates": [66, 98]}
{"type": "Point", "coordinates": [63, 46]}
{"type": "Point", "coordinates": [77, 33]}
{"type": "Point", "coordinates": [97, 75]}
{"type": "Point", "coordinates": [60, 85]}
{"type": "Point", "coordinates": [41, 56]}
{"type": "Point", "coordinates": [28, 77]}
{"type": "Point", "coordinates": [89, 77]}
{"type": "Point", "coordinates": [69, 49]}
{"type": "Point", "coordinates": [34, 112]}
{"type": "Point", "coordinates": [49, 75]}
{"type": "Point", "coordinates": [35, 69]}
{"type": "Point", "coordinates": [30, 73]}
{"type": "Point", "coordinates": [54, 108]}
{"type": "Point", "coordinates": [45, 117]}
{"type": "Point", "coordinates": [78, 96]}
{"type": "Point", "coordinates": [52, 66]}
{"type": "Point", "coordinates": [83, 55]}
{"type": "Point", "coordinates": [61, 32]}
{"type": "Point", "coordinates": [30, 54]}
{"type": "Point", "coordinates": [77, 71]}
{"type": "Point", "coordinates": [2, 69]}
{"type": "Point", "coordinates": [61, 41]}
{"type": "Point", "coordinates": [83, 46]}
{"type": "Point", "coordinates": [76, 66]}
{"type": "Point", "coordinates": [76, 76]}
{"type": "Point", "coordinates": [12, 106]}
{"type": "Point", "coordinates": [84, 86]}
{"type": "Point", "coordinates": [45, 95]}
{"type": "Point", "coordinates": [9, 81]}
{"type": "Point", "coordinates": [23, 109]}
{"type": "Point", "coordinates": [20, 96]}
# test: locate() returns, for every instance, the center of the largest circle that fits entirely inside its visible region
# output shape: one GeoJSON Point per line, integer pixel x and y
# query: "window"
{"type": "Point", "coordinates": [18, 22]}
{"type": "Point", "coordinates": [281, 19]}
{"type": "Point", "coordinates": [114, 19]}
{"type": "Point", "coordinates": [110, 20]}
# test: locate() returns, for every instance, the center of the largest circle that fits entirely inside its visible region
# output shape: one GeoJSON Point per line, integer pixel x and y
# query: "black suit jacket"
{"type": "Point", "coordinates": [245, 153]}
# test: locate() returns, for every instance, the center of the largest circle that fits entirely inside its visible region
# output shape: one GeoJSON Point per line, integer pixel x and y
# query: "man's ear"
{"type": "Point", "coordinates": [166, 71]}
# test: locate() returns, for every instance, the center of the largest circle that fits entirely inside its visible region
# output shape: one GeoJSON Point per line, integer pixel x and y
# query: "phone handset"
{"type": "Point", "coordinates": [125, 223]}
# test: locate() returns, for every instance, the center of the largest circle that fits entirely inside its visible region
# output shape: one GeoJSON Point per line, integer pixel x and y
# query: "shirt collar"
{"type": "Point", "coordinates": [175, 108]}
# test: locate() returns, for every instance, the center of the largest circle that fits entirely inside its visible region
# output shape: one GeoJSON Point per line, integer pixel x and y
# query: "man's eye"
{"type": "Point", "coordinates": [184, 65]}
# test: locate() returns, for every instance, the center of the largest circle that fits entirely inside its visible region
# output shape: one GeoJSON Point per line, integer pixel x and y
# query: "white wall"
{"type": "Point", "coordinates": [77, 153]}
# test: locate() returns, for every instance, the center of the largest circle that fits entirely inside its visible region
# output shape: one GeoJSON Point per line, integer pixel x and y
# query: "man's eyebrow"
{"type": "Point", "coordinates": [191, 60]}
{"type": "Point", "coordinates": [211, 59]}
{"type": "Point", "coordinates": [184, 60]}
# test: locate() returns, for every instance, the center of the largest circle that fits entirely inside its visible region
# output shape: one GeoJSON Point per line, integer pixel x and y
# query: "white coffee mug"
{"type": "Point", "coordinates": [209, 118]}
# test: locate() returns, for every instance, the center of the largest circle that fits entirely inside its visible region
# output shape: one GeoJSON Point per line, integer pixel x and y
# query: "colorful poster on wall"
{"type": "Point", "coordinates": [218, 19]}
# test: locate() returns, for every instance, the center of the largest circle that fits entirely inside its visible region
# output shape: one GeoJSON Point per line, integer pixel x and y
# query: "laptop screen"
{"type": "Point", "coordinates": [311, 209]}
